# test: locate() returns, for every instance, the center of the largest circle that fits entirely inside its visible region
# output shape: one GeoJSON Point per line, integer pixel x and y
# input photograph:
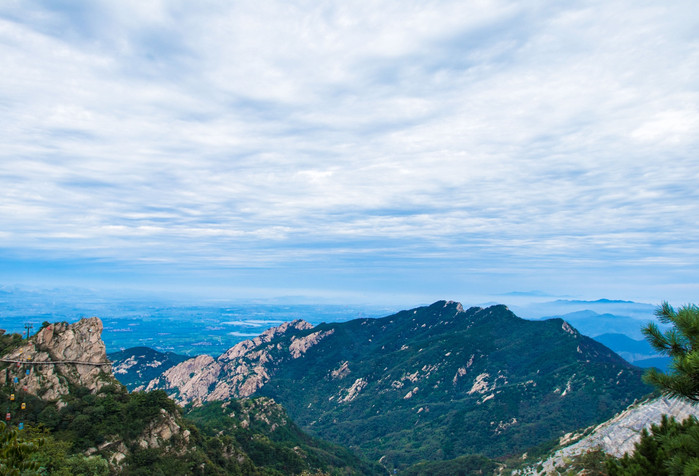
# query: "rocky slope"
{"type": "Point", "coordinates": [616, 436]}
{"type": "Point", "coordinates": [239, 372]}
{"type": "Point", "coordinates": [430, 383]}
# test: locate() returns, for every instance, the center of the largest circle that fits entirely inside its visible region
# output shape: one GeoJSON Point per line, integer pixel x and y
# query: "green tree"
{"type": "Point", "coordinates": [670, 448]}
{"type": "Point", "coordinates": [16, 452]}
{"type": "Point", "coordinates": [681, 343]}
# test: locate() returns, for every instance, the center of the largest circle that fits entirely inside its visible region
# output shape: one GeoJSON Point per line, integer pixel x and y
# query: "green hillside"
{"type": "Point", "coordinates": [439, 382]}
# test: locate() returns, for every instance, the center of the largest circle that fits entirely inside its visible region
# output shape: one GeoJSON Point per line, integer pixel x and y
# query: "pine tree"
{"type": "Point", "coordinates": [670, 448]}
{"type": "Point", "coordinates": [681, 343]}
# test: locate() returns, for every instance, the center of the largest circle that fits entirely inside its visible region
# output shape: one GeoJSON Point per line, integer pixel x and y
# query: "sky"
{"type": "Point", "coordinates": [376, 151]}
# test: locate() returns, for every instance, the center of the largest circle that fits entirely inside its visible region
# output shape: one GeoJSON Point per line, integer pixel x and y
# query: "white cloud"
{"type": "Point", "coordinates": [263, 135]}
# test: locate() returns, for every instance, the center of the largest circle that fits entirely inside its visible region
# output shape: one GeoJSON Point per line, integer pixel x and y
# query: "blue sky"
{"type": "Point", "coordinates": [376, 151]}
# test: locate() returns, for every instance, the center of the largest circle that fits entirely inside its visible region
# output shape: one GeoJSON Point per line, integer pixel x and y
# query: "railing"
{"type": "Point", "coordinates": [55, 362]}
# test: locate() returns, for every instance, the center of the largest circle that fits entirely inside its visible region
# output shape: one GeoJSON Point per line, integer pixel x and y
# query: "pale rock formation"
{"type": "Point", "coordinates": [42, 355]}
{"type": "Point", "coordinates": [342, 371]}
{"type": "Point", "coordinates": [161, 431]}
{"type": "Point", "coordinates": [618, 435]}
{"type": "Point", "coordinates": [239, 372]}
{"type": "Point", "coordinates": [353, 391]}
{"type": "Point", "coordinates": [298, 347]}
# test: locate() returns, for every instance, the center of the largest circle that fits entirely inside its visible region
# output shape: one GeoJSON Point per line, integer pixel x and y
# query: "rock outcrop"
{"type": "Point", "coordinates": [64, 357]}
{"type": "Point", "coordinates": [58, 356]}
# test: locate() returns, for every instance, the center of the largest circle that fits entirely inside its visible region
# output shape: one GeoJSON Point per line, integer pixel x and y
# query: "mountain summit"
{"type": "Point", "coordinates": [429, 383]}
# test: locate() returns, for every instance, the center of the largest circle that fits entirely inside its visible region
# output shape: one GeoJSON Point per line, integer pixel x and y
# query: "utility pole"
{"type": "Point", "coordinates": [28, 327]}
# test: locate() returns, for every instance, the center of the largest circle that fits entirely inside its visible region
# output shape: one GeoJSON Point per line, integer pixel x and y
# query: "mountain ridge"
{"type": "Point", "coordinates": [384, 383]}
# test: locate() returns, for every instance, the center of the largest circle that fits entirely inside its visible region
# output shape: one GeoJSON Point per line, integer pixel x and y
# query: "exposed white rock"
{"type": "Point", "coordinates": [460, 372]}
{"type": "Point", "coordinates": [124, 365]}
{"type": "Point", "coordinates": [298, 347]}
{"type": "Point", "coordinates": [566, 327]}
{"type": "Point", "coordinates": [618, 435]}
{"type": "Point", "coordinates": [410, 394]}
{"type": "Point", "coordinates": [242, 348]}
{"type": "Point", "coordinates": [342, 371]}
{"type": "Point", "coordinates": [480, 384]}
{"type": "Point", "coordinates": [353, 391]}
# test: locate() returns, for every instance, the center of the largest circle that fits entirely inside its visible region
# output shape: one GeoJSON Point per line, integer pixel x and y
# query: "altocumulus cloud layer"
{"type": "Point", "coordinates": [408, 145]}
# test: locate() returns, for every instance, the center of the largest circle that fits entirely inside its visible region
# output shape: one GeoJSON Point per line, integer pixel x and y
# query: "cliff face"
{"type": "Point", "coordinates": [58, 356]}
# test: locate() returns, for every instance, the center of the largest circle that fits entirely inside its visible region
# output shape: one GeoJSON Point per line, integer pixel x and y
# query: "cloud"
{"type": "Point", "coordinates": [243, 334]}
{"type": "Point", "coordinates": [290, 134]}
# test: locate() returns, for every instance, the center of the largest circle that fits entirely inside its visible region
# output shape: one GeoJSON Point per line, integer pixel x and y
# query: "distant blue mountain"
{"type": "Point", "coordinates": [642, 312]}
{"type": "Point", "coordinates": [599, 301]}
{"type": "Point", "coordinates": [662, 363]}
{"type": "Point", "coordinates": [593, 324]}
{"type": "Point", "coordinates": [637, 352]}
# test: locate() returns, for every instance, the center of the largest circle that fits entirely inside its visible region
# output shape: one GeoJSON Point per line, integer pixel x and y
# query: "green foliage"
{"type": "Point", "coordinates": [461, 466]}
{"type": "Point", "coordinates": [79, 465]}
{"type": "Point", "coordinates": [669, 449]}
{"type": "Point", "coordinates": [681, 343]}
{"type": "Point", "coordinates": [9, 342]}
{"type": "Point", "coordinates": [16, 452]}
{"type": "Point", "coordinates": [262, 430]}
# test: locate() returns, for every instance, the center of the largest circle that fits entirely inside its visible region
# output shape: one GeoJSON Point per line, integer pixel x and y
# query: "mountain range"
{"type": "Point", "coordinates": [431, 383]}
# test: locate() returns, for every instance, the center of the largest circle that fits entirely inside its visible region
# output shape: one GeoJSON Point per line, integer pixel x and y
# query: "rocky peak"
{"type": "Point", "coordinates": [242, 348]}
{"type": "Point", "coordinates": [242, 370]}
{"type": "Point", "coordinates": [58, 356]}
{"type": "Point", "coordinates": [79, 341]}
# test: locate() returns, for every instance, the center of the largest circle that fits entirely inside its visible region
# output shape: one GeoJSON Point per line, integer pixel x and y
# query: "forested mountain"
{"type": "Point", "coordinates": [137, 366]}
{"type": "Point", "coordinates": [435, 382]}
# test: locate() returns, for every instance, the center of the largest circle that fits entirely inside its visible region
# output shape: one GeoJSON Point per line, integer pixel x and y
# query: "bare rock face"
{"type": "Point", "coordinates": [239, 372]}
{"type": "Point", "coordinates": [79, 341]}
{"type": "Point", "coordinates": [59, 355]}
{"type": "Point", "coordinates": [618, 435]}
{"type": "Point", "coordinates": [161, 431]}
